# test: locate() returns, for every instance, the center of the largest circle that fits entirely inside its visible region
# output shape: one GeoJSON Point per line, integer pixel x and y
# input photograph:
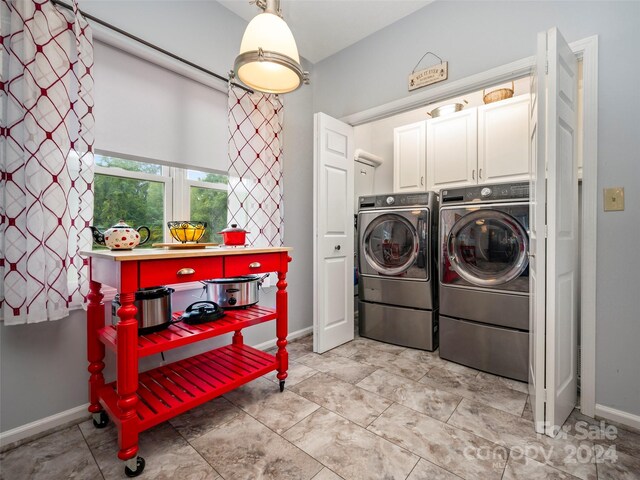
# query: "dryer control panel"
{"type": "Point", "coordinates": [487, 193]}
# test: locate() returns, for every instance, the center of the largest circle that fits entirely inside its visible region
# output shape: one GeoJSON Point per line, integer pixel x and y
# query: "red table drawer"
{"type": "Point", "coordinates": [162, 272]}
{"type": "Point", "coordinates": [247, 264]}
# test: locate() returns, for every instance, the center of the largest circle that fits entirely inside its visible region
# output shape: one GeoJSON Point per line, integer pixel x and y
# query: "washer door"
{"type": "Point", "coordinates": [488, 248]}
{"type": "Point", "coordinates": [391, 244]}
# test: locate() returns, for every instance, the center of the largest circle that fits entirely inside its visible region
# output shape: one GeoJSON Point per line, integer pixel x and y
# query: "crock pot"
{"type": "Point", "coordinates": [235, 292]}
{"type": "Point", "coordinates": [154, 309]}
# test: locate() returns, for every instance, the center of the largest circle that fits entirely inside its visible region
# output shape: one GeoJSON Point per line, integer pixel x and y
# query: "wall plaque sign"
{"type": "Point", "coordinates": [428, 76]}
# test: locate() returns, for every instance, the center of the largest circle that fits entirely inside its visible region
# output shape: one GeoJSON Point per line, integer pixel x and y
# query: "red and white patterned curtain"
{"type": "Point", "coordinates": [46, 202]}
{"type": "Point", "coordinates": [255, 170]}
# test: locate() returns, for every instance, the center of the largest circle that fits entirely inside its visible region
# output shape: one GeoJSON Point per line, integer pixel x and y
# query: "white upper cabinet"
{"type": "Point", "coordinates": [409, 158]}
{"type": "Point", "coordinates": [503, 141]}
{"type": "Point", "coordinates": [486, 144]}
{"type": "Point", "coordinates": [452, 150]}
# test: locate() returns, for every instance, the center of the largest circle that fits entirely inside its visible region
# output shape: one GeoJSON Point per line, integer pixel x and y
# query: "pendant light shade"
{"type": "Point", "coordinates": [268, 59]}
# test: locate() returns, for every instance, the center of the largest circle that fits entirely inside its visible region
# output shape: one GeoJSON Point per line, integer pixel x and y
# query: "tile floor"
{"type": "Point", "coordinates": [365, 410]}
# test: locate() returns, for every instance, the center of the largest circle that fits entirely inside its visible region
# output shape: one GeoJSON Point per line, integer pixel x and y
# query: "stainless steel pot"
{"type": "Point", "coordinates": [236, 292]}
{"type": "Point", "coordinates": [447, 109]}
{"type": "Point", "coordinates": [154, 309]}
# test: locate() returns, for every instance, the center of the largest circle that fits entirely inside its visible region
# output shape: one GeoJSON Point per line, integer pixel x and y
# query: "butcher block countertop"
{"type": "Point", "coordinates": [162, 253]}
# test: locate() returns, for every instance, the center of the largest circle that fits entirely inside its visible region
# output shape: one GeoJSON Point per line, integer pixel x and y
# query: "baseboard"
{"type": "Point", "coordinates": [291, 336]}
{"type": "Point", "coordinates": [33, 430]}
{"type": "Point", "coordinates": [623, 418]}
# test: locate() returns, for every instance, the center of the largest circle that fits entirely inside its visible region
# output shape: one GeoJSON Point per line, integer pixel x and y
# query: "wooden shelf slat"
{"type": "Point", "coordinates": [167, 391]}
{"type": "Point", "coordinates": [180, 334]}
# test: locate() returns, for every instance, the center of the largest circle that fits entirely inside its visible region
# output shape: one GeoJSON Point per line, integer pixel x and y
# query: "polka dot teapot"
{"type": "Point", "coordinates": [120, 236]}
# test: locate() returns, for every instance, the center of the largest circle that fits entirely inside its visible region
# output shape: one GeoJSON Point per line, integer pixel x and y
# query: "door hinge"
{"type": "Point", "coordinates": [544, 395]}
{"type": "Point", "coordinates": [546, 231]}
{"type": "Point", "coordinates": [546, 67]}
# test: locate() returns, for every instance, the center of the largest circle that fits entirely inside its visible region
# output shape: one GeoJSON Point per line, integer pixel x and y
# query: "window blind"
{"type": "Point", "coordinates": [145, 111]}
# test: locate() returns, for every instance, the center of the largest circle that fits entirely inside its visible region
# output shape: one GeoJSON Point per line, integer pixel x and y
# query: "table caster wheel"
{"type": "Point", "coordinates": [139, 462]}
{"type": "Point", "coordinates": [100, 420]}
{"type": "Point", "coordinates": [282, 385]}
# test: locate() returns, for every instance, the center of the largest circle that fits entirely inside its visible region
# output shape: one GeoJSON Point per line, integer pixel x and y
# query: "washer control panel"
{"type": "Point", "coordinates": [396, 200]}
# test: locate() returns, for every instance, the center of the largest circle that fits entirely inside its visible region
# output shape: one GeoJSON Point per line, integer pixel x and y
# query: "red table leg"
{"type": "Point", "coordinates": [95, 348]}
{"type": "Point", "coordinates": [127, 372]}
{"type": "Point", "coordinates": [282, 356]}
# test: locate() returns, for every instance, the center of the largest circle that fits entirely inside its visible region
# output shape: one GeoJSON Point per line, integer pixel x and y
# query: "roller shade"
{"type": "Point", "coordinates": [145, 111]}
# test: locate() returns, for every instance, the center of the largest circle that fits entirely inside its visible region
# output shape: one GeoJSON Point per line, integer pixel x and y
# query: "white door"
{"type": "Point", "coordinates": [409, 157]}
{"type": "Point", "coordinates": [452, 150]}
{"type": "Point", "coordinates": [503, 141]}
{"type": "Point", "coordinates": [554, 307]}
{"type": "Point", "coordinates": [334, 232]}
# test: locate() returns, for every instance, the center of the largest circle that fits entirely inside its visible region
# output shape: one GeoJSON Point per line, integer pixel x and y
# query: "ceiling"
{"type": "Point", "coordinates": [324, 27]}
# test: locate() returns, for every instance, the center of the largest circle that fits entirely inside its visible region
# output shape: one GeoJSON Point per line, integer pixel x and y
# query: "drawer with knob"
{"type": "Point", "coordinates": [237, 265]}
{"type": "Point", "coordinates": [179, 270]}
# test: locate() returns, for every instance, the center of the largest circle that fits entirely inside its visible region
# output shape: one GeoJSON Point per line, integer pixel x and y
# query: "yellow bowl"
{"type": "Point", "coordinates": [187, 231]}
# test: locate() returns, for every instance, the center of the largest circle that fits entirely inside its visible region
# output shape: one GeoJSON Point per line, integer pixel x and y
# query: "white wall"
{"type": "Point", "coordinates": [44, 366]}
{"type": "Point", "coordinates": [476, 36]}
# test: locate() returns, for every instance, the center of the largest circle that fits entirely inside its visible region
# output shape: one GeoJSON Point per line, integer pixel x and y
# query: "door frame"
{"type": "Point", "coordinates": [587, 51]}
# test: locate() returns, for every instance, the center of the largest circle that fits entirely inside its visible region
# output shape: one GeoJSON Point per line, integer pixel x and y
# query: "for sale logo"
{"type": "Point", "coordinates": [587, 431]}
{"type": "Point", "coordinates": [546, 450]}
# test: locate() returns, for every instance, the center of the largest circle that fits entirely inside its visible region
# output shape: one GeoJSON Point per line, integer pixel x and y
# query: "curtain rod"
{"type": "Point", "coordinates": [150, 45]}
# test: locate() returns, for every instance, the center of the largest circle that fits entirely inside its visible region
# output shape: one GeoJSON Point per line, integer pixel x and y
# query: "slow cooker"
{"type": "Point", "coordinates": [154, 309]}
{"type": "Point", "coordinates": [234, 292]}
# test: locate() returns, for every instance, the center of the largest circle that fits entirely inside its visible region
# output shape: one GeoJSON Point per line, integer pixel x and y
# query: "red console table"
{"type": "Point", "coordinates": [138, 401]}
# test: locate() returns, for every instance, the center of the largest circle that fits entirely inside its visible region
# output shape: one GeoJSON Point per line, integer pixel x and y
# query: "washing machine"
{"type": "Point", "coordinates": [484, 278]}
{"type": "Point", "coordinates": [397, 267]}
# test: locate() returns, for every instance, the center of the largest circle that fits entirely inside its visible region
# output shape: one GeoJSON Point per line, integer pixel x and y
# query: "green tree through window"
{"type": "Point", "coordinates": [208, 205]}
{"type": "Point", "coordinates": [137, 202]}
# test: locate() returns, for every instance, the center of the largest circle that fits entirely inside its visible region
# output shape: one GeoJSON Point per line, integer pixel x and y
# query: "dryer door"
{"type": "Point", "coordinates": [489, 248]}
{"type": "Point", "coordinates": [394, 243]}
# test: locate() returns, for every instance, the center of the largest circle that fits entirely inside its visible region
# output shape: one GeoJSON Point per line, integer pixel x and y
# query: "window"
{"type": "Point", "coordinates": [150, 194]}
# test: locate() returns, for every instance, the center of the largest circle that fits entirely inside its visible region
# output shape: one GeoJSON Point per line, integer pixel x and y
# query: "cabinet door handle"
{"type": "Point", "coordinates": [473, 174]}
{"type": "Point", "coordinates": [422, 181]}
{"type": "Point", "coordinates": [337, 247]}
{"type": "Point", "coordinates": [185, 271]}
{"type": "Point", "coordinates": [255, 265]}
{"type": "Point", "coordinates": [480, 173]}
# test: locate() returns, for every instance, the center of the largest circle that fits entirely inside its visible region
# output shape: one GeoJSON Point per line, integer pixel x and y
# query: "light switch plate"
{"type": "Point", "coordinates": [613, 199]}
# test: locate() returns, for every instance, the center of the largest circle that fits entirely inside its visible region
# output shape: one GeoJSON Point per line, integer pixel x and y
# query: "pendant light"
{"type": "Point", "coordinates": [268, 60]}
